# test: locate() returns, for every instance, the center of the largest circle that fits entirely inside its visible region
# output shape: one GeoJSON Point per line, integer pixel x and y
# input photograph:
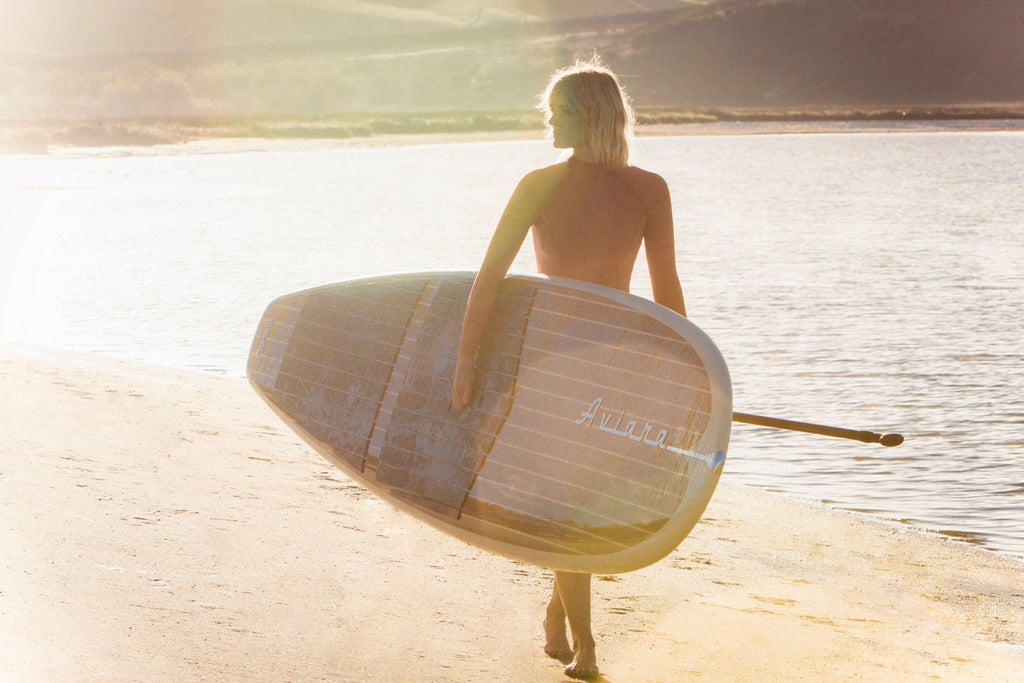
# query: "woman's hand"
{"type": "Point", "coordinates": [463, 383]}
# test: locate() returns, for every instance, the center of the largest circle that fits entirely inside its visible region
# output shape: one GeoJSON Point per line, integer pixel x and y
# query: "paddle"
{"type": "Point", "coordinates": [888, 440]}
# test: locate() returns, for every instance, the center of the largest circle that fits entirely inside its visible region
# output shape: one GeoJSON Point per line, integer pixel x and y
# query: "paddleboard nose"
{"type": "Point", "coordinates": [273, 334]}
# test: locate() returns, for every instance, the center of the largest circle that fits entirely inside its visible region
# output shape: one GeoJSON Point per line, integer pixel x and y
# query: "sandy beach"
{"type": "Point", "coordinates": [162, 525]}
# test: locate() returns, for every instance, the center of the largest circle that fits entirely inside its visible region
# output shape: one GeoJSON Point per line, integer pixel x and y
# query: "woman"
{"type": "Point", "coordinates": [589, 216]}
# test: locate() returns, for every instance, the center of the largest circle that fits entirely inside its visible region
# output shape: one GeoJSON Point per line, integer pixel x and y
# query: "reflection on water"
{"type": "Point", "coordinates": [870, 281]}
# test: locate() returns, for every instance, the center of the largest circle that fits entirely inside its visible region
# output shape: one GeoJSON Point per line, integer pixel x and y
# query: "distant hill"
{"type": "Point", "coordinates": [108, 58]}
{"type": "Point", "coordinates": [801, 53]}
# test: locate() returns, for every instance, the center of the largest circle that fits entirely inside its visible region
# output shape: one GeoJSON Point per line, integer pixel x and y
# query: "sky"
{"type": "Point", "coordinates": [108, 58]}
{"type": "Point", "coordinates": [88, 58]}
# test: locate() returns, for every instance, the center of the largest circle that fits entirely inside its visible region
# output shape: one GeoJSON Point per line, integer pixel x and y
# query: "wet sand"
{"type": "Point", "coordinates": [161, 525]}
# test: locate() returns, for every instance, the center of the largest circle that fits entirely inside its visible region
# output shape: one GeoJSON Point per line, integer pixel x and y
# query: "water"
{"type": "Point", "coordinates": [871, 280]}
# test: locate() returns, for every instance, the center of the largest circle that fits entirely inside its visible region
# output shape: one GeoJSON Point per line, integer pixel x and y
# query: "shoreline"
{"type": "Point", "coordinates": [162, 525]}
{"type": "Point", "coordinates": [37, 137]}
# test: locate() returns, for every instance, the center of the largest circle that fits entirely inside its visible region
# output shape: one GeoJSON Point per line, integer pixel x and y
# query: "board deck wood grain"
{"type": "Point", "coordinates": [594, 441]}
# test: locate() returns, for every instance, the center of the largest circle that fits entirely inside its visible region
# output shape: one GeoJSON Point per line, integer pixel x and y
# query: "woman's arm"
{"type": "Point", "coordinates": [665, 283]}
{"type": "Point", "coordinates": [660, 248]}
{"type": "Point", "coordinates": [515, 222]}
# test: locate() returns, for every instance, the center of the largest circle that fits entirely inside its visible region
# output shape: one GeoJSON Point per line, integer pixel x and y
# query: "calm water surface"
{"type": "Point", "coordinates": [871, 280]}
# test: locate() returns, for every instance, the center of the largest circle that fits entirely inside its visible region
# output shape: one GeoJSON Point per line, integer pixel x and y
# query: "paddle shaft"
{"type": "Point", "coordinates": [888, 440]}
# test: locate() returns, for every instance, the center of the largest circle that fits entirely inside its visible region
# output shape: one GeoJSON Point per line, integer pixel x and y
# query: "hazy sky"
{"type": "Point", "coordinates": [114, 26]}
{"type": "Point", "coordinates": [100, 58]}
{"type": "Point", "coordinates": [59, 27]}
{"type": "Point", "coordinates": [179, 57]}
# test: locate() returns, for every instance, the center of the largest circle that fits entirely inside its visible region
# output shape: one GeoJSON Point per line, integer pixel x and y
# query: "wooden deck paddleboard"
{"type": "Point", "coordinates": [594, 441]}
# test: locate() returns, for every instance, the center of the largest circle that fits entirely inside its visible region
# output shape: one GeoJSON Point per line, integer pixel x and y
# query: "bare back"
{"type": "Point", "coordinates": [588, 224]}
{"type": "Point", "coordinates": [592, 224]}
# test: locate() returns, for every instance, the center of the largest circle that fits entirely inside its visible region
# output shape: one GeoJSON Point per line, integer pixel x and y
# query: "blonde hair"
{"type": "Point", "coordinates": [608, 119]}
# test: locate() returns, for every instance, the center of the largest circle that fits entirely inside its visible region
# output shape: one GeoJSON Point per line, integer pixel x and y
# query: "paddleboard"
{"type": "Point", "coordinates": [594, 441]}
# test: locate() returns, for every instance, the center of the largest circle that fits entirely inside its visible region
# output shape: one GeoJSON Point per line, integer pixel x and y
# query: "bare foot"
{"type": "Point", "coordinates": [556, 644]}
{"type": "Point", "coordinates": [584, 665]}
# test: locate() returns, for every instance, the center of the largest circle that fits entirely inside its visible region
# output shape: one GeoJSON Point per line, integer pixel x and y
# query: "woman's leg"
{"type": "Point", "coordinates": [556, 645]}
{"type": "Point", "coordinates": [574, 592]}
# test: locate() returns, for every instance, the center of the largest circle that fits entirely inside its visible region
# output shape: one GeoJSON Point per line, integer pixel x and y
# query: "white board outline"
{"type": "Point", "coordinates": [646, 551]}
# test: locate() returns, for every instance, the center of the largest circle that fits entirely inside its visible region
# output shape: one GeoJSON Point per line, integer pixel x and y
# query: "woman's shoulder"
{"type": "Point", "coordinates": [546, 177]}
{"type": "Point", "coordinates": [645, 177]}
{"type": "Point", "coordinates": [559, 170]}
{"type": "Point", "coordinates": [648, 184]}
